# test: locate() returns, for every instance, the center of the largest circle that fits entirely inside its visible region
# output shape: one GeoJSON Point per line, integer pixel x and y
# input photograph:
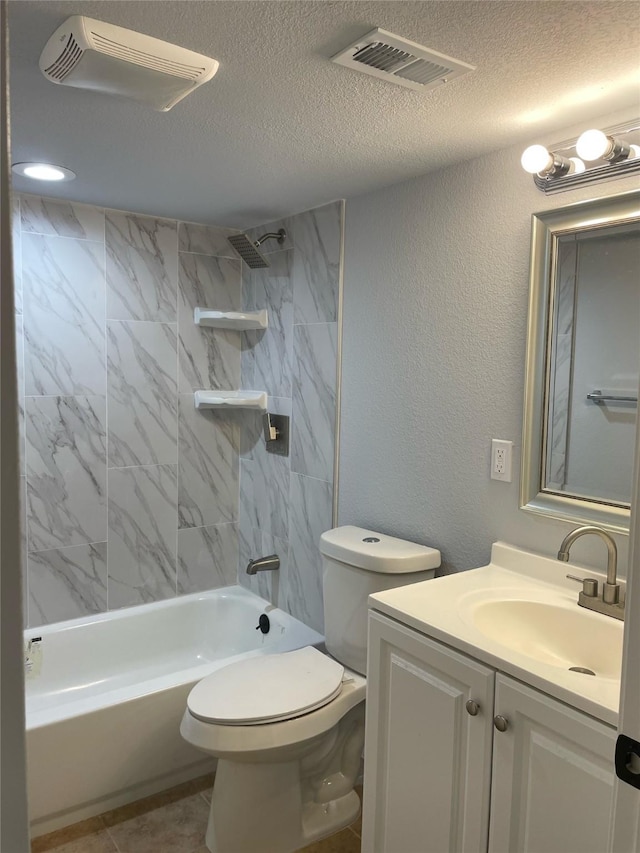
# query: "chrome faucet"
{"type": "Point", "coordinates": [609, 602]}
{"type": "Point", "coordinates": [263, 564]}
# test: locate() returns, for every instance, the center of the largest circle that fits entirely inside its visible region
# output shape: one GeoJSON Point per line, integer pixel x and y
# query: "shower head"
{"type": "Point", "coordinates": [249, 249]}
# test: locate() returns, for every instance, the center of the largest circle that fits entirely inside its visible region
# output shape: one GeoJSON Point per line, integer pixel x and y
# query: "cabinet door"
{"type": "Point", "coordinates": [552, 783]}
{"type": "Point", "coordinates": [427, 760]}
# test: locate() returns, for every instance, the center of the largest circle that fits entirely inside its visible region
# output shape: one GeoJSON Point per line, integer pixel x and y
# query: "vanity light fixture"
{"type": "Point", "coordinates": [596, 145]}
{"type": "Point", "coordinates": [43, 172]}
{"type": "Point", "coordinates": [609, 153]}
{"type": "Point", "coordinates": [537, 160]}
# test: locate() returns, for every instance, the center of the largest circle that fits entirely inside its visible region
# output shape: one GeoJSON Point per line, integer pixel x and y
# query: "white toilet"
{"type": "Point", "coordinates": [288, 729]}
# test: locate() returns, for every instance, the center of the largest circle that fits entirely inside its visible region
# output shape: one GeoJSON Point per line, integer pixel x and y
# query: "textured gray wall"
{"type": "Point", "coordinates": [435, 322]}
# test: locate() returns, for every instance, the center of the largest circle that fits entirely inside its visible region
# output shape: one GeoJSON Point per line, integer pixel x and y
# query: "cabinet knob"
{"type": "Point", "coordinates": [501, 723]}
{"type": "Point", "coordinates": [472, 708]}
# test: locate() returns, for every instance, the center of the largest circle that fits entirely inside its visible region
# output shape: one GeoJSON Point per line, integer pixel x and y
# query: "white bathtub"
{"type": "Point", "coordinates": [103, 715]}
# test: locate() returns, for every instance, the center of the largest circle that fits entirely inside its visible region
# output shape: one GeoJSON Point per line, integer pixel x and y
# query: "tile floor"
{"type": "Point", "coordinates": [171, 822]}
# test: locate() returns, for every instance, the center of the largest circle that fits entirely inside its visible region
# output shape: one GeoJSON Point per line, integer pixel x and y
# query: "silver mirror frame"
{"type": "Point", "coordinates": [546, 228]}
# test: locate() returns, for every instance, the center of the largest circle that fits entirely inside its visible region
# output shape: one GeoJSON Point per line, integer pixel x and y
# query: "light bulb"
{"type": "Point", "coordinates": [536, 159]}
{"type": "Point", "coordinates": [592, 145]}
{"type": "Point", "coordinates": [577, 166]}
{"type": "Point", "coordinates": [43, 171]}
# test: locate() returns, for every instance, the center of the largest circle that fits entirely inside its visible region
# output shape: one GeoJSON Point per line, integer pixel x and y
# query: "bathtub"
{"type": "Point", "coordinates": [104, 710]}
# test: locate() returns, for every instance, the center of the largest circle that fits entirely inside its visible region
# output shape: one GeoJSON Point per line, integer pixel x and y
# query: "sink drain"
{"type": "Point", "coordinates": [582, 670]}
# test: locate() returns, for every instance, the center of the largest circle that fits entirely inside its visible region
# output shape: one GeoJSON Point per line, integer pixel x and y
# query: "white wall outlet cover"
{"type": "Point", "coordinates": [501, 456]}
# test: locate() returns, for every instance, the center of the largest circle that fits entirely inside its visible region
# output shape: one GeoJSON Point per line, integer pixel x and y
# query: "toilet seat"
{"type": "Point", "coordinates": [267, 689]}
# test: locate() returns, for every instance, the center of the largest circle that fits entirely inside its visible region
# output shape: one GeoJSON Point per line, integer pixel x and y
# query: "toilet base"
{"type": "Point", "coordinates": [263, 806]}
{"type": "Point", "coordinates": [257, 808]}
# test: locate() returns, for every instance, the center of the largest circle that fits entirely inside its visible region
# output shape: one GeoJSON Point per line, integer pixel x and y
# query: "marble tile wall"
{"type": "Point", "coordinates": [129, 495]}
{"type": "Point", "coordinates": [286, 502]}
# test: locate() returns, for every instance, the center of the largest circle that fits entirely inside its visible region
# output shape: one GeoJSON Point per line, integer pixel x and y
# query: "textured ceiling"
{"type": "Point", "coordinates": [280, 128]}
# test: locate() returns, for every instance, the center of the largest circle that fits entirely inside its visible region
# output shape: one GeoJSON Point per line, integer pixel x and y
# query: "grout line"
{"type": "Point", "coordinates": [138, 322]}
{"type": "Point", "coordinates": [66, 547]}
{"type": "Point", "coordinates": [106, 398]}
{"type": "Point", "coordinates": [63, 396]}
{"type": "Point", "coordinates": [337, 422]}
{"type": "Point", "coordinates": [149, 465]}
{"type": "Point", "coordinates": [210, 255]}
{"type": "Point", "coordinates": [309, 477]}
{"type": "Point", "coordinates": [111, 839]}
{"type": "Point", "coordinates": [62, 236]}
{"type": "Point", "coordinates": [177, 404]}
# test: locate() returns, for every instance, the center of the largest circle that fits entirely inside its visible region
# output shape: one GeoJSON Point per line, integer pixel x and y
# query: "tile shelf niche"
{"type": "Point", "coordinates": [231, 400]}
{"type": "Point", "coordinates": [239, 320]}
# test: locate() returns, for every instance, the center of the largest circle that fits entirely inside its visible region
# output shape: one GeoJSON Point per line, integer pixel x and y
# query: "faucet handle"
{"type": "Point", "coordinates": [589, 585]}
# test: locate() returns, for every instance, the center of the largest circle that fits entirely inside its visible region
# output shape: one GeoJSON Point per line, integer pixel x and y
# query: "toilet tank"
{"type": "Point", "coordinates": [356, 563]}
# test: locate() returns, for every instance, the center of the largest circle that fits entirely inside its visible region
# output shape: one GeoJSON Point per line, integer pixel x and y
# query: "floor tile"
{"type": "Point", "coordinates": [342, 842]}
{"type": "Point", "coordinates": [89, 836]}
{"type": "Point", "coordinates": [172, 821]}
{"type": "Point", "coordinates": [204, 785]}
{"type": "Point", "coordinates": [357, 825]}
{"type": "Point", "coordinates": [177, 827]}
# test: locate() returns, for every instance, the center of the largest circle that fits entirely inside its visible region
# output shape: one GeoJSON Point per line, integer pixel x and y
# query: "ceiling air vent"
{"type": "Point", "coordinates": [397, 60]}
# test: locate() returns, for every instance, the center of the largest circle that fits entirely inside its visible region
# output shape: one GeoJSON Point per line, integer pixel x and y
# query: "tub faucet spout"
{"type": "Point", "coordinates": [264, 564]}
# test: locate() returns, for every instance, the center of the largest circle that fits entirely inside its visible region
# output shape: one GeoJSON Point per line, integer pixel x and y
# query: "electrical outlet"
{"type": "Point", "coordinates": [501, 453]}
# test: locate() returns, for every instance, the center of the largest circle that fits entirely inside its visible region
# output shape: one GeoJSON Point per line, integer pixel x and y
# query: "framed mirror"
{"type": "Point", "coordinates": [583, 362]}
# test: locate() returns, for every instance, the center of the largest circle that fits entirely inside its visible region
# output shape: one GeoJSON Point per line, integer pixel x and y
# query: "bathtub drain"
{"type": "Point", "coordinates": [582, 670]}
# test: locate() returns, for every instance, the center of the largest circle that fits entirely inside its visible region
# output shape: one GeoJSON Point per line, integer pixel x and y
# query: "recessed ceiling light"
{"type": "Point", "coordinates": [43, 171]}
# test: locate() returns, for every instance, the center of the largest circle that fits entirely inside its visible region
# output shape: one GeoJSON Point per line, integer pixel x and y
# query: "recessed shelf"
{"type": "Point", "coordinates": [231, 400]}
{"type": "Point", "coordinates": [239, 320]}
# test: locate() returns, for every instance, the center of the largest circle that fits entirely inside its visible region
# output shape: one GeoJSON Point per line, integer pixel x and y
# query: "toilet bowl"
{"type": "Point", "coordinates": [281, 782]}
{"type": "Point", "coordinates": [288, 729]}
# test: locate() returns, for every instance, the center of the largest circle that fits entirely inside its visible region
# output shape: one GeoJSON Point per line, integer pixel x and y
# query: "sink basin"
{"type": "Point", "coordinates": [519, 615]}
{"type": "Point", "coordinates": [554, 635]}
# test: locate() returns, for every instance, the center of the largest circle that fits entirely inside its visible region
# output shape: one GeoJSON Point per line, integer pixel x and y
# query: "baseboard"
{"type": "Point", "coordinates": [51, 823]}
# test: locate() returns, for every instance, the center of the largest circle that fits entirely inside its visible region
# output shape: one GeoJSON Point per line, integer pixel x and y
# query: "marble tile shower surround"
{"type": "Point", "coordinates": [129, 494]}
{"type": "Point", "coordinates": [286, 502]}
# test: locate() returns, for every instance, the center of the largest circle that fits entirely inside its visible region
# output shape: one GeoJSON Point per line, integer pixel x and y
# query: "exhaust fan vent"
{"type": "Point", "coordinates": [131, 54]}
{"type": "Point", "coordinates": [65, 62]}
{"type": "Point", "coordinates": [90, 54]}
{"type": "Point", "coordinates": [397, 60]}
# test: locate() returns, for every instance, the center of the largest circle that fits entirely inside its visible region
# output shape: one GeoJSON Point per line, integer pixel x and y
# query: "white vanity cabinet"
{"type": "Point", "coordinates": [552, 779]}
{"type": "Point", "coordinates": [427, 759]}
{"type": "Point", "coordinates": [441, 778]}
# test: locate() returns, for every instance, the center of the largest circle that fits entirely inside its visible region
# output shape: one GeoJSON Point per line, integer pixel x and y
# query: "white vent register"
{"type": "Point", "coordinates": [397, 60]}
{"type": "Point", "coordinates": [90, 54]}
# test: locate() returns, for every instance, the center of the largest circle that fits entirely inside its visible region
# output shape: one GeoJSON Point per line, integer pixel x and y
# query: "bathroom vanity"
{"type": "Point", "coordinates": [480, 736]}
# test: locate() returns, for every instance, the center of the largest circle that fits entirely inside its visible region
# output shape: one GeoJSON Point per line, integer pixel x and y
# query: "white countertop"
{"type": "Point", "coordinates": [443, 609]}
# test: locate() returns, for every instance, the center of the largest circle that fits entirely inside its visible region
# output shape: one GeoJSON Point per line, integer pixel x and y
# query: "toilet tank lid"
{"type": "Point", "coordinates": [377, 552]}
